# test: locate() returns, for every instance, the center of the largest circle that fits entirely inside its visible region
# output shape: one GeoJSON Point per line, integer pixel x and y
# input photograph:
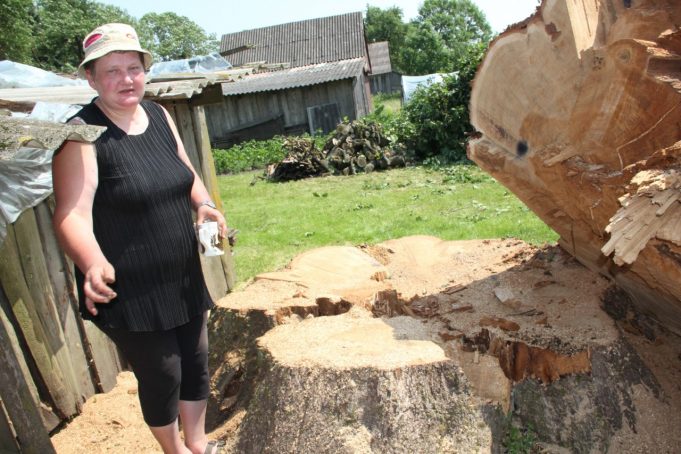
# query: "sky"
{"type": "Point", "coordinates": [224, 16]}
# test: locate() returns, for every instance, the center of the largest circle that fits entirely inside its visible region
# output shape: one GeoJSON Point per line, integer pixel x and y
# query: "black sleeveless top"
{"type": "Point", "coordinates": [142, 219]}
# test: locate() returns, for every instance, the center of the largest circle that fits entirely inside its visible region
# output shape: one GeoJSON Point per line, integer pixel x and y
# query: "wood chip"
{"type": "Point", "coordinates": [529, 313]}
{"type": "Point", "coordinates": [454, 289]}
{"type": "Point", "coordinates": [447, 337]}
{"type": "Point", "coordinates": [506, 297]}
{"type": "Point", "coordinates": [380, 276]}
{"type": "Point", "coordinates": [503, 294]}
{"type": "Point", "coordinates": [542, 284]}
{"type": "Point", "coordinates": [500, 323]}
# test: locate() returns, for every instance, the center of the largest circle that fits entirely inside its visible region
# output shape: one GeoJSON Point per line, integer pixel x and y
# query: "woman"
{"type": "Point", "coordinates": [123, 215]}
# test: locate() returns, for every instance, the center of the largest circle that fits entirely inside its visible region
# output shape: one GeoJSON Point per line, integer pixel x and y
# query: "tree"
{"type": "Point", "coordinates": [61, 26]}
{"type": "Point", "coordinates": [387, 25]}
{"type": "Point", "coordinates": [169, 36]}
{"type": "Point", "coordinates": [424, 51]}
{"type": "Point", "coordinates": [49, 33]}
{"type": "Point", "coordinates": [435, 121]}
{"type": "Point", "coordinates": [444, 32]}
{"type": "Point", "coordinates": [16, 39]}
{"type": "Point", "coordinates": [459, 22]}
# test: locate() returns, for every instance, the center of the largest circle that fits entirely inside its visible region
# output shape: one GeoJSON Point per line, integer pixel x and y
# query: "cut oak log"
{"type": "Point", "coordinates": [578, 109]}
{"type": "Point", "coordinates": [357, 384]}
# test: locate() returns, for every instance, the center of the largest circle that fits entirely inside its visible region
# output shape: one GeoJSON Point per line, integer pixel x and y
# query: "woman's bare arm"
{"type": "Point", "coordinates": [74, 176]}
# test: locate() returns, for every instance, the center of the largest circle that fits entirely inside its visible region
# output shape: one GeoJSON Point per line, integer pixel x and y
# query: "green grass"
{"type": "Point", "coordinates": [277, 221]}
{"type": "Point", "coordinates": [391, 103]}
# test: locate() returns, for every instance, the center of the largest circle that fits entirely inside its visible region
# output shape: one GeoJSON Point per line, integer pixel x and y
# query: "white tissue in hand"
{"type": "Point", "coordinates": [210, 239]}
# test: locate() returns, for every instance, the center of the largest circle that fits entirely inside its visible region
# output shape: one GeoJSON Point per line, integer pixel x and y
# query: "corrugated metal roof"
{"type": "Point", "coordinates": [302, 43]}
{"type": "Point", "coordinates": [167, 90]}
{"type": "Point", "coordinates": [295, 77]}
{"type": "Point", "coordinates": [65, 95]}
{"type": "Point", "coordinates": [379, 56]}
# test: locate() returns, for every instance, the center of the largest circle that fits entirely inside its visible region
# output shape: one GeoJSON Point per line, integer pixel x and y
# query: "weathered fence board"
{"type": "Point", "coordinates": [8, 441]}
{"type": "Point", "coordinates": [226, 273]}
{"type": "Point", "coordinates": [185, 127]}
{"type": "Point", "coordinates": [38, 281]}
{"type": "Point", "coordinates": [202, 141]}
{"type": "Point", "coordinates": [65, 299]}
{"type": "Point", "coordinates": [40, 343]}
{"type": "Point", "coordinates": [18, 398]}
{"type": "Point", "coordinates": [107, 363]}
{"type": "Point", "coordinates": [218, 273]}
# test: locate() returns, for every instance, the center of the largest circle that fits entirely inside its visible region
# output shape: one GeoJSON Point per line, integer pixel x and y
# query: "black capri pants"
{"type": "Point", "coordinates": [170, 366]}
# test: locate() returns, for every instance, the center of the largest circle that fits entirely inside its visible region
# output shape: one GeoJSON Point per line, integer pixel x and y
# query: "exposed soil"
{"type": "Point", "coordinates": [468, 293]}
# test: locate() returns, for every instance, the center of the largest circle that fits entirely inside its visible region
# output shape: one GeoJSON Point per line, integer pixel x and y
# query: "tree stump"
{"type": "Point", "coordinates": [356, 384]}
{"type": "Point", "coordinates": [326, 281]}
{"type": "Point", "coordinates": [499, 334]}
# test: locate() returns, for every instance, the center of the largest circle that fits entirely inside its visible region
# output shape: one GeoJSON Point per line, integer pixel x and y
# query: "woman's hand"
{"type": "Point", "coordinates": [96, 287]}
{"type": "Point", "coordinates": [206, 213]}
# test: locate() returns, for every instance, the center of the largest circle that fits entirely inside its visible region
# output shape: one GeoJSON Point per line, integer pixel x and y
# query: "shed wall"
{"type": "Point", "coordinates": [386, 83]}
{"type": "Point", "coordinates": [241, 111]}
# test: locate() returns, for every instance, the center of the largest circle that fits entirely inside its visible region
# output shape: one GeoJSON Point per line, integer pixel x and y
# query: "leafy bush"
{"type": "Point", "coordinates": [254, 154]}
{"type": "Point", "coordinates": [435, 121]}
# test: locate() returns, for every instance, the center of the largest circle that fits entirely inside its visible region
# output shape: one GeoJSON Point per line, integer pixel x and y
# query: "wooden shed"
{"type": "Point", "coordinates": [382, 77]}
{"type": "Point", "coordinates": [52, 359]}
{"type": "Point", "coordinates": [322, 79]}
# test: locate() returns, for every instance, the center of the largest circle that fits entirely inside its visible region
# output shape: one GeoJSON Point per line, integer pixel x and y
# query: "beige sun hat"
{"type": "Point", "coordinates": [109, 38]}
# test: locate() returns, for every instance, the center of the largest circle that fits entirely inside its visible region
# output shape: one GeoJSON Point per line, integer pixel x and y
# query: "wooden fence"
{"type": "Point", "coordinates": [52, 360]}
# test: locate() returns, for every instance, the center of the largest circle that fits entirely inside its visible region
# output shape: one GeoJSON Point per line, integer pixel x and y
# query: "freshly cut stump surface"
{"type": "Point", "coordinates": [356, 384]}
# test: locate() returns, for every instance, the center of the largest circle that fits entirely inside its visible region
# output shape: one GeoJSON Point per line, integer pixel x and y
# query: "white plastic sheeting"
{"type": "Point", "coordinates": [200, 64]}
{"type": "Point", "coordinates": [18, 75]}
{"type": "Point", "coordinates": [411, 83]}
{"type": "Point", "coordinates": [54, 112]}
{"type": "Point", "coordinates": [26, 178]}
{"type": "Point", "coordinates": [25, 181]}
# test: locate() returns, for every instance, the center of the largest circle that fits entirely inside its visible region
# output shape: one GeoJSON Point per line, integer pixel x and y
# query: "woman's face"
{"type": "Point", "coordinates": [118, 78]}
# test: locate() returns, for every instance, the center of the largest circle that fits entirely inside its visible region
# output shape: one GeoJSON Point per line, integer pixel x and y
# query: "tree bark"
{"type": "Point", "coordinates": [342, 394]}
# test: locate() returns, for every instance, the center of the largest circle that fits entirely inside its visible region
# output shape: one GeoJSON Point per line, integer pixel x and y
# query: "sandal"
{"type": "Point", "coordinates": [214, 447]}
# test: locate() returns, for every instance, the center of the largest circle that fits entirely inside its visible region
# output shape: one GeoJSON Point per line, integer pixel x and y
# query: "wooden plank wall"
{"type": "Point", "coordinates": [45, 343]}
{"type": "Point", "coordinates": [362, 95]}
{"type": "Point", "coordinates": [20, 401]}
{"type": "Point", "coordinates": [52, 360]}
{"type": "Point", "coordinates": [238, 110]}
{"type": "Point", "coordinates": [386, 83]}
{"type": "Point", "coordinates": [191, 124]}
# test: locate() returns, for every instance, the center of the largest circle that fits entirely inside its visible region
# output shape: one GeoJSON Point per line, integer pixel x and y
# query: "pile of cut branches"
{"type": "Point", "coordinates": [302, 160]}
